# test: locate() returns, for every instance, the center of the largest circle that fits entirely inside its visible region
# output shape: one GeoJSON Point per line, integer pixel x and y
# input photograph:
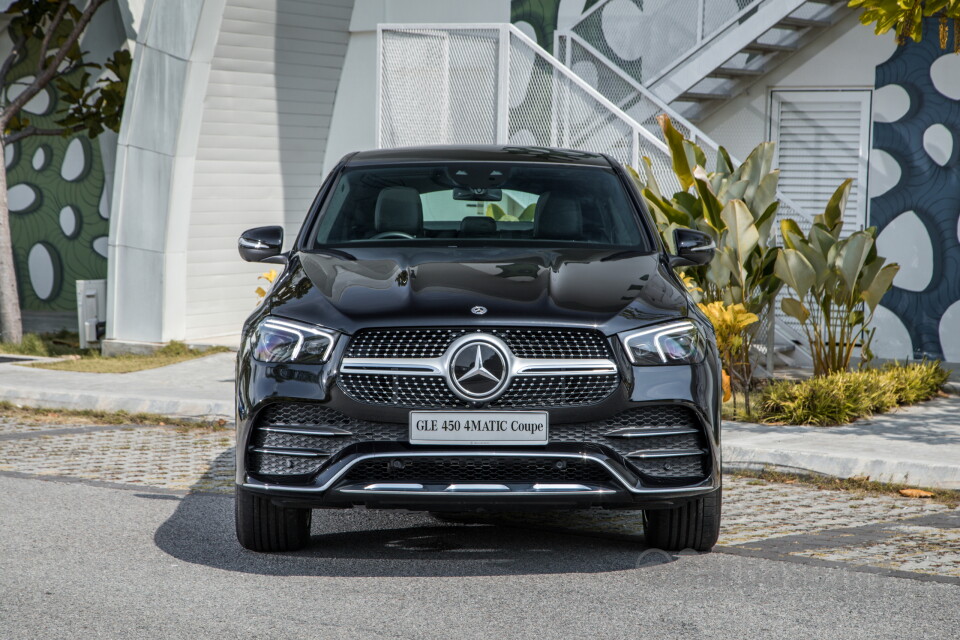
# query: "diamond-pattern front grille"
{"type": "Point", "coordinates": [432, 343]}
{"type": "Point", "coordinates": [430, 470]}
{"type": "Point", "coordinates": [524, 391]}
{"type": "Point", "coordinates": [685, 467]}
{"type": "Point", "coordinates": [659, 416]}
{"type": "Point", "coordinates": [402, 343]}
{"type": "Point", "coordinates": [270, 464]}
{"type": "Point", "coordinates": [399, 391]}
{"type": "Point", "coordinates": [554, 343]}
{"type": "Point", "coordinates": [557, 391]}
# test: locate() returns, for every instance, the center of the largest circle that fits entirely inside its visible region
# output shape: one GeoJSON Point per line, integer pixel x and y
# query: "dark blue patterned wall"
{"type": "Point", "coordinates": [930, 190]}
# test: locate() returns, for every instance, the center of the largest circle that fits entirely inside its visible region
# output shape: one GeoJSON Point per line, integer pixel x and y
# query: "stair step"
{"type": "Point", "coordinates": [735, 72]}
{"type": "Point", "coordinates": [801, 23]}
{"type": "Point", "coordinates": [766, 47]}
{"type": "Point", "coordinates": [786, 347]}
{"type": "Point", "coordinates": [699, 96]}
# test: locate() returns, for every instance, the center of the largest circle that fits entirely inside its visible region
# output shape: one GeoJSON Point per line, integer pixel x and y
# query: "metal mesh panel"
{"type": "Point", "coordinates": [618, 87]}
{"type": "Point", "coordinates": [442, 86]}
{"type": "Point", "coordinates": [645, 39]}
{"type": "Point", "coordinates": [716, 13]}
{"type": "Point", "coordinates": [576, 119]}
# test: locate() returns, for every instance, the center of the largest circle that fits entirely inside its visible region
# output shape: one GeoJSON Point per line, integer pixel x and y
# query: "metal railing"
{"type": "Point", "coordinates": [648, 40]}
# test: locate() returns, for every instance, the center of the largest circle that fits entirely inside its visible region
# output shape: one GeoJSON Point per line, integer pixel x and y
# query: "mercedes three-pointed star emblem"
{"type": "Point", "coordinates": [478, 370]}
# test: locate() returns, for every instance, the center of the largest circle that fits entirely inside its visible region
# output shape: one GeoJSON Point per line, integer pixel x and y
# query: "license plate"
{"type": "Point", "coordinates": [478, 427]}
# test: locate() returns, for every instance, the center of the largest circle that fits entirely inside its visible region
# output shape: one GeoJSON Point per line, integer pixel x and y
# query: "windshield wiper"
{"type": "Point", "coordinates": [628, 253]}
{"type": "Point", "coordinates": [334, 252]}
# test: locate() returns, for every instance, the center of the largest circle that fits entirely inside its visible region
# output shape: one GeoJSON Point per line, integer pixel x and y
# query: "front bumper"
{"type": "Point", "coordinates": [360, 472]}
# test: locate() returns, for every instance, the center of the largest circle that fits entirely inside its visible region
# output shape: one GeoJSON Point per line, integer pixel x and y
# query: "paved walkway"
{"type": "Point", "coordinates": [919, 445]}
{"type": "Point", "coordinates": [200, 388]}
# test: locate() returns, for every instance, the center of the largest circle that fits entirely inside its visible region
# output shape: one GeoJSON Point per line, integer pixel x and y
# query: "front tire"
{"type": "Point", "coordinates": [263, 526]}
{"type": "Point", "coordinates": [693, 525]}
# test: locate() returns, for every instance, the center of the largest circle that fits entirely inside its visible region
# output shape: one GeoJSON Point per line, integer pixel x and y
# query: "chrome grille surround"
{"type": "Point", "coordinates": [433, 382]}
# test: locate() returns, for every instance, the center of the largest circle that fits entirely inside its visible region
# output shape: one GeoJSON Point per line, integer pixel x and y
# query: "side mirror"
{"type": "Point", "coordinates": [694, 248]}
{"type": "Point", "coordinates": [262, 244]}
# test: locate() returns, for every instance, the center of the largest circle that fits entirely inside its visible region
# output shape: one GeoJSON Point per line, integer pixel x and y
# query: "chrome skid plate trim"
{"type": "Point", "coordinates": [703, 486]}
{"type": "Point", "coordinates": [475, 489]}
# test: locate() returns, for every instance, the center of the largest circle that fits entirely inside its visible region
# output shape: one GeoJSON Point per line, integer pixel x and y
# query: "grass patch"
{"type": "Point", "coordinates": [74, 417]}
{"type": "Point", "coordinates": [841, 398]}
{"type": "Point", "coordinates": [47, 345]}
{"type": "Point", "coordinates": [93, 362]}
{"type": "Point", "coordinates": [862, 486]}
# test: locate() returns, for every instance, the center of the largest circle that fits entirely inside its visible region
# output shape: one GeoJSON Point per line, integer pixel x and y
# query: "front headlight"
{"type": "Point", "coordinates": [278, 340]}
{"type": "Point", "coordinates": [674, 343]}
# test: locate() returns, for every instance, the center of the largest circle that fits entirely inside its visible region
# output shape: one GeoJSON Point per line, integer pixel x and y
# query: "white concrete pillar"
{"type": "Point", "coordinates": [150, 208]}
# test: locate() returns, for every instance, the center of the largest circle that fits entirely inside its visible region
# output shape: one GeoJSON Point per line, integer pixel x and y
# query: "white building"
{"type": "Point", "coordinates": [237, 108]}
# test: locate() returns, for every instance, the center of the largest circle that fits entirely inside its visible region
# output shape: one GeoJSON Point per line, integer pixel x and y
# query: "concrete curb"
{"type": "Point", "coordinates": [199, 409]}
{"type": "Point", "coordinates": [912, 472]}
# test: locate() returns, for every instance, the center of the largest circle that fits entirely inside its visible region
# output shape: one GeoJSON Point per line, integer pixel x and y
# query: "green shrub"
{"type": "Point", "coordinates": [841, 398]}
{"type": "Point", "coordinates": [916, 382]}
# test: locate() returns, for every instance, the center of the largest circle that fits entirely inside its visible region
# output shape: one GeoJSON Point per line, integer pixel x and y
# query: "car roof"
{"type": "Point", "coordinates": [478, 153]}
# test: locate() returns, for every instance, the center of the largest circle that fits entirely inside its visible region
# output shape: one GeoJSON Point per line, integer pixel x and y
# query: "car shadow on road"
{"type": "Point", "coordinates": [364, 543]}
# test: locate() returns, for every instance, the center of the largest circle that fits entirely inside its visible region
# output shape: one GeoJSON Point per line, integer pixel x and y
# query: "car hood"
{"type": "Point", "coordinates": [408, 286]}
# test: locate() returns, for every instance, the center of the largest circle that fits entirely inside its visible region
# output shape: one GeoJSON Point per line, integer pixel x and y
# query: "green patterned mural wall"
{"type": "Point", "coordinates": [58, 215]}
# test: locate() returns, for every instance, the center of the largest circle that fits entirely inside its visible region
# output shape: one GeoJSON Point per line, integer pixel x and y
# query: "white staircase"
{"type": "Point", "coordinates": [724, 46]}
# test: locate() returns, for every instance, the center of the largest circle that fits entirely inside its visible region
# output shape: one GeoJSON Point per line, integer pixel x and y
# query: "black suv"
{"type": "Point", "coordinates": [477, 328]}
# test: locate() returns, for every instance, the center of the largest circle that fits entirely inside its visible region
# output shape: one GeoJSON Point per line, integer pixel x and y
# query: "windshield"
{"type": "Point", "coordinates": [480, 203]}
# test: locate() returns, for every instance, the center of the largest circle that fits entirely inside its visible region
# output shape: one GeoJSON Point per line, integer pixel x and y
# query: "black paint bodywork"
{"type": "Point", "coordinates": [410, 286]}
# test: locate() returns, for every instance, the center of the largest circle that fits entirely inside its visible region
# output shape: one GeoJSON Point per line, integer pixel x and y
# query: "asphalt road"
{"type": "Point", "coordinates": [83, 561]}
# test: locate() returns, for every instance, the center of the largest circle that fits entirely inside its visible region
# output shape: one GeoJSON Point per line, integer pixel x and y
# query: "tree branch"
{"type": "Point", "coordinates": [17, 136]}
{"type": "Point", "coordinates": [51, 71]}
{"type": "Point", "coordinates": [11, 59]}
{"type": "Point", "coordinates": [57, 19]}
